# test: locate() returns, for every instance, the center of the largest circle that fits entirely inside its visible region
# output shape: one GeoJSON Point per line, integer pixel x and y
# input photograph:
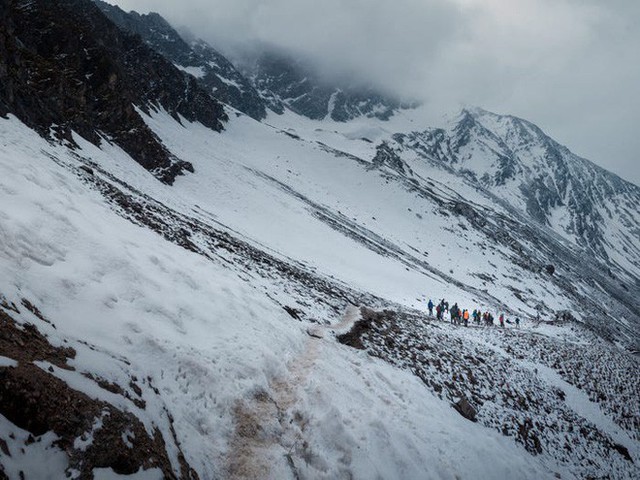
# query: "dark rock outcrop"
{"type": "Point", "coordinates": [92, 433]}
{"type": "Point", "coordinates": [65, 67]}
{"type": "Point", "coordinates": [288, 83]}
{"type": "Point", "coordinates": [213, 72]}
{"type": "Point", "coordinates": [464, 408]}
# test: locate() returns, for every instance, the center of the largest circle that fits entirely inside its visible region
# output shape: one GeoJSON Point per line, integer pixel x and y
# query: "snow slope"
{"type": "Point", "coordinates": [189, 299]}
{"type": "Point", "coordinates": [207, 346]}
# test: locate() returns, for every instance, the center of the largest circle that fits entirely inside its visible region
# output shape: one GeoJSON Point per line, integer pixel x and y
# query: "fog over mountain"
{"type": "Point", "coordinates": [258, 258]}
{"type": "Point", "coordinates": [567, 65]}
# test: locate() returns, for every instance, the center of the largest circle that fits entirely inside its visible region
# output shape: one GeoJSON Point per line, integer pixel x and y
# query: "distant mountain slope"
{"type": "Point", "coordinates": [212, 70]}
{"type": "Point", "coordinates": [65, 67]}
{"type": "Point", "coordinates": [286, 82]}
{"type": "Point", "coordinates": [517, 162]}
{"type": "Point", "coordinates": [208, 329]}
{"type": "Point", "coordinates": [272, 79]}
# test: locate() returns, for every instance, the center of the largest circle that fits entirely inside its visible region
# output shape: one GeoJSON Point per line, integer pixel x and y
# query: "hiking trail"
{"type": "Point", "coordinates": [270, 418]}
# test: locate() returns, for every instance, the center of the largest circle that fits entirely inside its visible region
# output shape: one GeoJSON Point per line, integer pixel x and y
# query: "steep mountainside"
{"type": "Point", "coordinates": [52, 88]}
{"type": "Point", "coordinates": [520, 164]}
{"type": "Point", "coordinates": [158, 296]}
{"type": "Point", "coordinates": [285, 82]}
{"type": "Point", "coordinates": [266, 316]}
{"type": "Point", "coordinates": [272, 79]}
{"type": "Point", "coordinates": [212, 71]}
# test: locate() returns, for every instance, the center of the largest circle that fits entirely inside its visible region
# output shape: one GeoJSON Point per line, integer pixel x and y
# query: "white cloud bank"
{"type": "Point", "coordinates": [571, 66]}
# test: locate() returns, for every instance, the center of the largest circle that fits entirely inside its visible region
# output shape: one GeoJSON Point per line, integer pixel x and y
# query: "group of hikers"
{"type": "Point", "coordinates": [460, 316]}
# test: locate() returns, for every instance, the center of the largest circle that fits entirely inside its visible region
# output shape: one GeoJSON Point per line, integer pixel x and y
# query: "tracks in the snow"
{"type": "Point", "coordinates": [269, 430]}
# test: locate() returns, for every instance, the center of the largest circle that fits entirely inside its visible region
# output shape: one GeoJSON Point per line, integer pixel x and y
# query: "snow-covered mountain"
{"type": "Point", "coordinates": [288, 83]}
{"type": "Point", "coordinates": [272, 79]}
{"type": "Point", "coordinates": [212, 71]}
{"type": "Point", "coordinates": [264, 314]}
{"type": "Point", "coordinates": [520, 164]}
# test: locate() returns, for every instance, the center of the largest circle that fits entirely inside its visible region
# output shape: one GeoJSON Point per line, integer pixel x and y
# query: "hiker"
{"type": "Point", "coordinates": [430, 306]}
{"type": "Point", "coordinates": [454, 313]}
{"type": "Point", "coordinates": [517, 322]}
{"type": "Point", "coordinates": [446, 307]}
{"type": "Point", "coordinates": [439, 312]}
{"type": "Point", "coordinates": [465, 317]}
{"type": "Point", "coordinates": [501, 319]}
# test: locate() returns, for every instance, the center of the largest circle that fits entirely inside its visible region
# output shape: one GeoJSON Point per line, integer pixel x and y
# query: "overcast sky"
{"type": "Point", "coordinates": [570, 66]}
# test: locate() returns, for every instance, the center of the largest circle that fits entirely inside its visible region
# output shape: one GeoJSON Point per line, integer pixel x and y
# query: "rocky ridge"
{"type": "Point", "coordinates": [212, 71]}
{"type": "Point", "coordinates": [287, 83]}
{"type": "Point", "coordinates": [524, 168]}
{"type": "Point", "coordinates": [66, 68]}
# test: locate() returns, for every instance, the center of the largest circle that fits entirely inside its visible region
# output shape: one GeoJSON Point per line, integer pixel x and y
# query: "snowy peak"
{"type": "Point", "coordinates": [516, 161]}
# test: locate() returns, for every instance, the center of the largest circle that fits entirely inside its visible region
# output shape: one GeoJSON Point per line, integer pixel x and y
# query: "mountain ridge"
{"type": "Point", "coordinates": [266, 316]}
{"type": "Point", "coordinates": [48, 86]}
{"type": "Point", "coordinates": [530, 170]}
{"type": "Point", "coordinates": [212, 71]}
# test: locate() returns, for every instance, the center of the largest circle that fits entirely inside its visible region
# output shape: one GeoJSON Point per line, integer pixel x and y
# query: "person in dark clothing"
{"type": "Point", "coordinates": [517, 322]}
{"type": "Point", "coordinates": [430, 306]}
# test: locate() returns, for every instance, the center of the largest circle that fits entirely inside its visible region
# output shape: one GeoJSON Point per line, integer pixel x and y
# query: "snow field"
{"type": "Point", "coordinates": [188, 328]}
{"type": "Point", "coordinates": [248, 389]}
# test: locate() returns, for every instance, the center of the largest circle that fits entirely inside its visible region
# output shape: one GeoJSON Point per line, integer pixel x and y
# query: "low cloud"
{"type": "Point", "coordinates": [570, 66]}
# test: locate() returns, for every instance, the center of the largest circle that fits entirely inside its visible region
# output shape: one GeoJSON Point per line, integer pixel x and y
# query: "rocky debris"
{"type": "Point", "coordinates": [464, 408]}
{"type": "Point", "coordinates": [65, 67]}
{"type": "Point", "coordinates": [602, 373]}
{"type": "Point", "coordinates": [92, 433]}
{"type": "Point", "coordinates": [27, 344]}
{"type": "Point", "coordinates": [33, 309]}
{"type": "Point", "coordinates": [479, 371]}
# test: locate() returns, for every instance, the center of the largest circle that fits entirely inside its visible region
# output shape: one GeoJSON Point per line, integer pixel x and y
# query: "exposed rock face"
{"type": "Point", "coordinates": [386, 157]}
{"type": "Point", "coordinates": [466, 409]}
{"type": "Point", "coordinates": [286, 83]}
{"type": "Point", "coordinates": [213, 72]}
{"type": "Point", "coordinates": [92, 433]}
{"type": "Point", "coordinates": [491, 386]}
{"type": "Point", "coordinates": [65, 67]}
